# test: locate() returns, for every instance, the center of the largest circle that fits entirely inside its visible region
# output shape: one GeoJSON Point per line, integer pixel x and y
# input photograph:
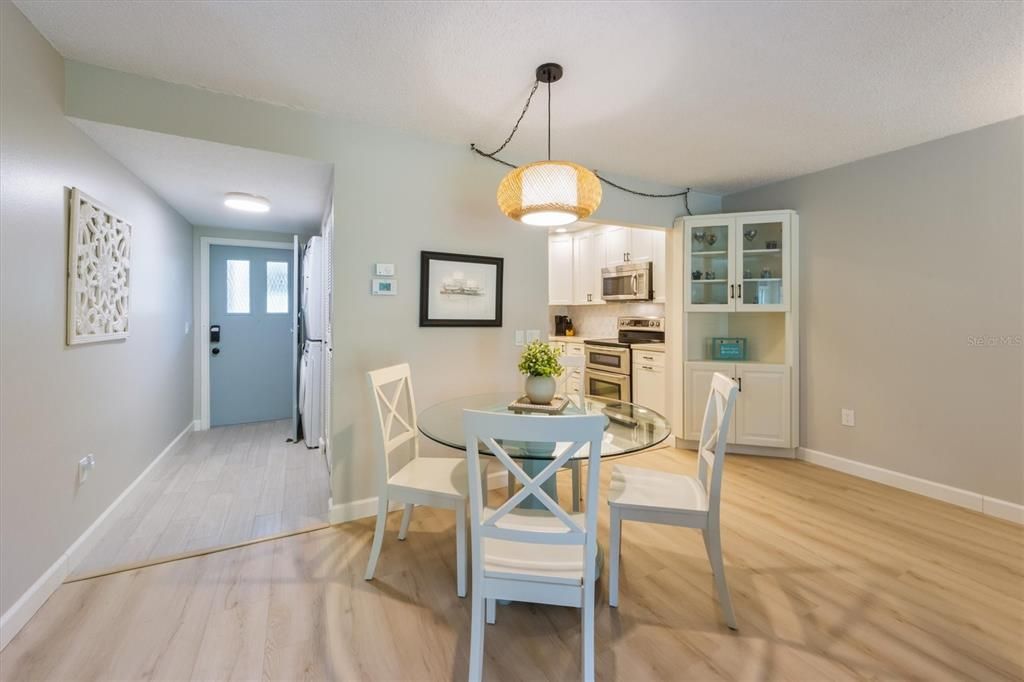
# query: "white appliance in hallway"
{"type": "Point", "coordinates": [311, 366]}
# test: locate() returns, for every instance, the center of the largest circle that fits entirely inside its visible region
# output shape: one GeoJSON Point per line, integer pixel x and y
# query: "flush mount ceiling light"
{"type": "Point", "coordinates": [250, 203]}
{"type": "Point", "coordinates": [552, 193]}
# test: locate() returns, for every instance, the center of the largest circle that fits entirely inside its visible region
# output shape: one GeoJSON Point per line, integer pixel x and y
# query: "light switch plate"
{"type": "Point", "coordinates": [519, 337]}
{"type": "Point", "coordinates": [848, 417]}
{"type": "Point", "coordinates": [384, 269]}
{"type": "Point", "coordinates": [532, 335]}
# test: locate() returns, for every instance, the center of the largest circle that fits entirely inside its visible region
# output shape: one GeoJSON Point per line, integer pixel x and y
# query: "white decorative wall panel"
{"type": "Point", "coordinates": [99, 265]}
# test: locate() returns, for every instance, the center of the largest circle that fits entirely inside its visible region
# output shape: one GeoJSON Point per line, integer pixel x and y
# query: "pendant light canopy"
{"type": "Point", "coordinates": [549, 193]}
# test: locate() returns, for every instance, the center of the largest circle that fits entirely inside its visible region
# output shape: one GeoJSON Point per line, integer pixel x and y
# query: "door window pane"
{"type": "Point", "coordinates": [238, 286]}
{"type": "Point", "coordinates": [277, 287]}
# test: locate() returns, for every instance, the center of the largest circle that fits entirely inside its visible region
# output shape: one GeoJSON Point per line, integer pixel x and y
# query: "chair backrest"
{"type": "Point", "coordinates": [567, 436]}
{"type": "Point", "coordinates": [571, 362]}
{"type": "Point", "coordinates": [713, 434]}
{"type": "Point", "coordinates": [392, 390]}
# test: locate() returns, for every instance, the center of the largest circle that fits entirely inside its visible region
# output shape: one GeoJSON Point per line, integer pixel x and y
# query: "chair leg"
{"type": "Point", "coordinates": [476, 638]}
{"type": "Point", "coordinates": [460, 548]}
{"type": "Point", "coordinates": [615, 522]}
{"type": "Point", "coordinates": [713, 544]}
{"type": "Point", "coordinates": [378, 536]}
{"type": "Point", "coordinates": [577, 494]}
{"type": "Point", "coordinates": [511, 485]}
{"type": "Point", "coordinates": [492, 611]}
{"type": "Point", "coordinates": [587, 633]}
{"type": "Point", "coordinates": [406, 516]}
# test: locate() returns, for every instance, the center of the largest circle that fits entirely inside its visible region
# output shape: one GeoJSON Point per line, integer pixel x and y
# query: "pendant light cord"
{"type": "Point", "coordinates": [549, 121]}
{"type": "Point", "coordinates": [685, 194]}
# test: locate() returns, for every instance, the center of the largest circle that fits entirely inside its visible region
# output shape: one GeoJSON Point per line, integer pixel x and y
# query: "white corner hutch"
{"type": "Point", "coordinates": [736, 275]}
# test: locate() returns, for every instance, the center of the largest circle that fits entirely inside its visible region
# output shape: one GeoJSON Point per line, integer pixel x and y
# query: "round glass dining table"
{"type": "Point", "coordinates": [628, 428]}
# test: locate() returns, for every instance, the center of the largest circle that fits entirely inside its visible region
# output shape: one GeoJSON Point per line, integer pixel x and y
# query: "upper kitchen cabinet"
{"type": "Point", "coordinates": [738, 263]}
{"type": "Point", "coordinates": [560, 270]}
{"type": "Point", "coordinates": [616, 246]}
{"type": "Point", "coordinates": [588, 259]}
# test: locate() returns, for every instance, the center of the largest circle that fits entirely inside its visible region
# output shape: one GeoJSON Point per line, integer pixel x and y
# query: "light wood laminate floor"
{"type": "Point", "coordinates": [832, 578]}
{"type": "Point", "coordinates": [224, 486]}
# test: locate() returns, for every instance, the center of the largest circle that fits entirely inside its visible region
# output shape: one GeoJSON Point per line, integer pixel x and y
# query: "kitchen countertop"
{"type": "Point", "coordinates": [569, 339]}
{"type": "Point", "coordinates": [659, 347]}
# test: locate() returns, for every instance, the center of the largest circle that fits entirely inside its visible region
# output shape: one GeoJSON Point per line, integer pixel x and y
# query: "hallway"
{"type": "Point", "coordinates": [221, 487]}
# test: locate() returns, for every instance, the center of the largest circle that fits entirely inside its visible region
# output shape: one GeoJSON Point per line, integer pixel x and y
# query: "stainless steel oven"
{"type": "Point", "coordinates": [629, 282]}
{"type": "Point", "coordinates": [608, 385]}
{"type": "Point", "coordinates": [607, 358]}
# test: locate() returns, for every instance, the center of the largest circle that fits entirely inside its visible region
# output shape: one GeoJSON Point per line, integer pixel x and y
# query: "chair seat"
{"type": "Point", "coordinates": [639, 488]}
{"type": "Point", "coordinates": [560, 564]}
{"type": "Point", "coordinates": [445, 476]}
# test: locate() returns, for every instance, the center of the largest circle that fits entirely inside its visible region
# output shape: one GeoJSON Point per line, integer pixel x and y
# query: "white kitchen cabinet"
{"type": "Point", "coordinates": [738, 263]}
{"type": "Point", "coordinates": [659, 279]}
{"type": "Point", "coordinates": [762, 408]}
{"type": "Point", "coordinates": [696, 387]}
{"type": "Point", "coordinates": [588, 257]}
{"type": "Point", "coordinates": [650, 388]}
{"type": "Point", "coordinates": [762, 413]}
{"type": "Point", "coordinates": [560, 270]}
{"type": "Point", "coordinates": [616, 246]}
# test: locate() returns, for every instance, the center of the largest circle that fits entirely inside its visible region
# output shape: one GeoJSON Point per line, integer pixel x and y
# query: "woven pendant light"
{"type": "Point", "coordinates": [549, 193]}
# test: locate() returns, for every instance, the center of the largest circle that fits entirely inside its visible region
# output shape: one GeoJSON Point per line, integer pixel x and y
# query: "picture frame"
{"type": "Point", "coordinates": [460, 290]}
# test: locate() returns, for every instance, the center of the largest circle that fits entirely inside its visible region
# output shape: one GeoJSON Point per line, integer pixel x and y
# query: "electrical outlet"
{"type": "Point", "coordinates": [85, 465]}
{"type": "Point", "coordinates": [519, 337]}
{"type": "Point", "coordinates": [532, 335]}
{"type": "Point", "coordinates": [848, 417]}
{"type": "Point", "coordinates": [188, 327]}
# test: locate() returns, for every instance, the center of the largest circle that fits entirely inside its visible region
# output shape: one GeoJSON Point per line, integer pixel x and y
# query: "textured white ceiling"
{"type": "Point", "coordinates": [720, 96]}
{"type": "Point", "coordinates": [194, 175]}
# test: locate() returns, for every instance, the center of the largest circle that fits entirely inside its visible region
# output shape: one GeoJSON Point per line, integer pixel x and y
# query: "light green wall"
{"type": "Point", "coordinates": [905, 259]}
{"type": "Point", "coordinates": [395, 194]}
{"type": "Point", "coordinates": [123, 401]}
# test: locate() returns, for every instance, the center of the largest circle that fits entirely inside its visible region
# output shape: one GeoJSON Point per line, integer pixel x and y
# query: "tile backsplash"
{"type": "Point", "coordinates": [599, 321]}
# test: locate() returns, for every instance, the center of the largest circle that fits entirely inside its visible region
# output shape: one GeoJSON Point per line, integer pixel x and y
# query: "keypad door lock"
{"type": "Point", "coordinates": [214, 333]}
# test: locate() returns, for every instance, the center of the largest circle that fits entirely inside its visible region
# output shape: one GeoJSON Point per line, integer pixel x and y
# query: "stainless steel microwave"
{"type": "Point", "coordinates": [628, 282]}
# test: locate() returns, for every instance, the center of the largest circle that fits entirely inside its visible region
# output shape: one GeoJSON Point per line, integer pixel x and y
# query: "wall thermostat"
{"type": "Point", "coordinates": [384, 269]}
{"type": "Point", "coordinates": [384, 287]}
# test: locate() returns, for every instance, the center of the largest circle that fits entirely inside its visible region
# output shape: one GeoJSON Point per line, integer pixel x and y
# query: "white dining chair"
{"type": "Point", "coordinates": [638, 494]}
{"type": "Point", "coordinates": [543, 556]}
{"type": "Point", "coordinates": [570, 362]}
{"type": "Point", "coordinates": [430, 481]}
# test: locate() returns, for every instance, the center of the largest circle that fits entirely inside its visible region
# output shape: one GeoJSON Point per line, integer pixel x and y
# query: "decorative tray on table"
{"type": "Point", "coordinates": [523, 404]}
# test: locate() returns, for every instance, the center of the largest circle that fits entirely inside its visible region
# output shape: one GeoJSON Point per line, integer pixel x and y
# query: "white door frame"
{"type": "Point", "coordinates": [203, 333]}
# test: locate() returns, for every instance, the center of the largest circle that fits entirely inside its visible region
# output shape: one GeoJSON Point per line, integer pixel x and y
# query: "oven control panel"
{"type": "Point", "coordinates": [650, 324]}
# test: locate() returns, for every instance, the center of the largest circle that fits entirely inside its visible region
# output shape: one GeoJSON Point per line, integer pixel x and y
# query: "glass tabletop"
{"type": "Point", "coordinates": [628, 427]}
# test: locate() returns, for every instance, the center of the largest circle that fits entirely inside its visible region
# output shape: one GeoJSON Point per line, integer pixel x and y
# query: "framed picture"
{"type": "Point", "coordinates": [457, 290]}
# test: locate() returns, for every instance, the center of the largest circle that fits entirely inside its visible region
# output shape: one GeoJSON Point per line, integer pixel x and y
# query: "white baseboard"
{"type": "Point", "coordinates": [361, 509]}
{"type": "Point", "coordinates": [15, 618]}
{"type": "Point", "coordinates": [992, 506]}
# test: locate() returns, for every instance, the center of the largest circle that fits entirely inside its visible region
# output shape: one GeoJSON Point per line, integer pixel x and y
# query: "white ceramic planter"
{"type": "Point", "coordinates": [540, 390]}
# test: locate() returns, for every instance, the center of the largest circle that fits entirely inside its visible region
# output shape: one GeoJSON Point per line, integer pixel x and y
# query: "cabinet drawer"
{"type": "Point", "coordinates": [649, 357]}
{"type": "Point", "coordinates": [574, 349]}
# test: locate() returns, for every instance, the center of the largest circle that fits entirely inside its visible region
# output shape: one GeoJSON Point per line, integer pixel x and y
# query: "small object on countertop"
{"type": "Point", "coordinates": [569, 329]}
{"type": "Point", "coordinates": [523, 404]}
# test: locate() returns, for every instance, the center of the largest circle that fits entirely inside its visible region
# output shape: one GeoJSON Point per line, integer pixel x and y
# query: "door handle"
{"type": "Point", "coordinates": [739, 291]}
{"type": "Point", "coordinates": [635, 281]}
{"type": "Point", "coordinates": [731, 296]}
{"type": "Point", "coordinates": [739, 380]}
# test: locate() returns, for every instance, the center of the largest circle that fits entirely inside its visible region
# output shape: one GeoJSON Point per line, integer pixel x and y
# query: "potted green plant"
{"type": "Point", "coordinates": [539, 362]}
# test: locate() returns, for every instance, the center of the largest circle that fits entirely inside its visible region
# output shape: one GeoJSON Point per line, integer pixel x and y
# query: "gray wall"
{"type": "Point", "coordinates": [394, 195]}
{"type": "Point", "coordinates": [123, 401]}
{"type": "Point", "coordinates": [906, 258]}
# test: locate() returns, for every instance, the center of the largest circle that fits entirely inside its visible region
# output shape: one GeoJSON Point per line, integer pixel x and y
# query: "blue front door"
{"type": "Point", "coordinates": [252, 301]}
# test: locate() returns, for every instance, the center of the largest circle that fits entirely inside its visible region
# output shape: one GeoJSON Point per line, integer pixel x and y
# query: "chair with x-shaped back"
{"type": "Point", "coordinates": [543, 556]}
{"type": "Point", "coordinates": [430, 481]}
